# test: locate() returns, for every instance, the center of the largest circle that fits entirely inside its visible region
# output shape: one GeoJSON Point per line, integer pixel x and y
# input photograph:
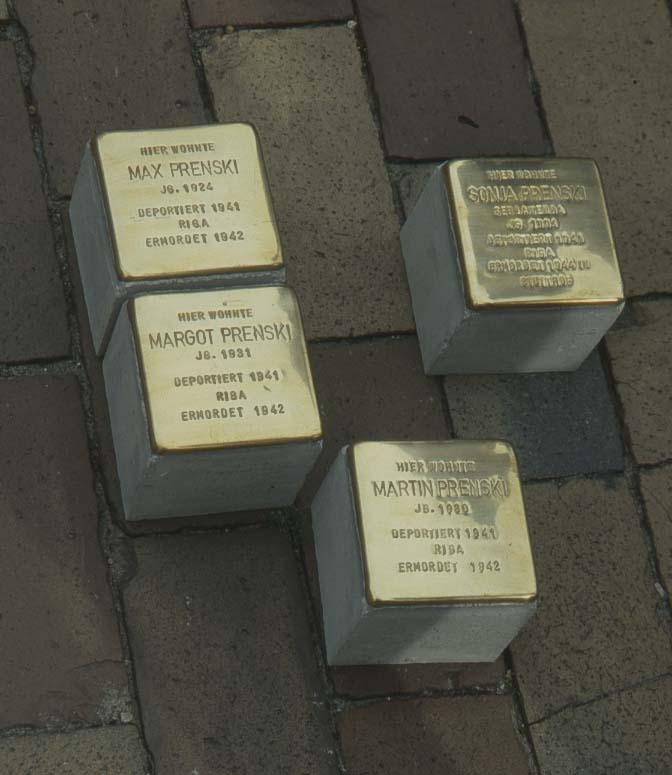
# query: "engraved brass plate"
{"type": "Point", "coordinates": [191, 200]}
{"type": "Point", "coordinates": [224, 368]}
{"type": "Point", "coordinates": [442, 522]}
{"type": "Point", "coordinates": [533, 231]}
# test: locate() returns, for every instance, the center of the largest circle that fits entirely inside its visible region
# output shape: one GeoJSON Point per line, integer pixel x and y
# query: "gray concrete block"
{"type": "Point", "coordinates": [495, 283]}
{"type": "Point", "coordinates": [399, 586]}
{"type": "Point", "coordinates": [171, 209]}
{"type": "Point", "coordinates": [211, 427]}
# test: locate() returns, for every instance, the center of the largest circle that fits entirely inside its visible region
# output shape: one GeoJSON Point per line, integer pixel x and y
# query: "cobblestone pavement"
{"type": "Point", "coordinates": [193, 647]}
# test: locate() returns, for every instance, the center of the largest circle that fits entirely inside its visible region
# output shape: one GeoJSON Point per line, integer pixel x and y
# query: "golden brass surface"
{"type": "Point", "coordinates": [533, 232]}
{"type": "Point", "coordinates": [190, 200]}
{"type": "Point", "coordinates": [224, 368]}
{"type": "Point", "coordinates": [442, 522]}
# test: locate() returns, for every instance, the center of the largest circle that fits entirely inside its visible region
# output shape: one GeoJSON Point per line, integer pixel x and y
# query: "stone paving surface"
{"type": "Point", "coordinates": [194, 646]}
{"type": "Point", "coordinates": [304, 90]}
{"type": "Point", "coordinates": [615, 109]}
{"type": "Point", "coordinates": [418, 55]}
{"type": "Point", "coordinates": [32, 315]}
{"type": "Point", "coordinates": [626, 733]}
{"type": "Point", "coordinates": [113, 750]}
{"type": "Point", "coordinates": [559, 424]}
{"type": "Point", "coordinates": [60, 642]}
{"type": "Point", "coordinates": [640, 359]}
{"type": "Point", "coordinates": [597, 600]}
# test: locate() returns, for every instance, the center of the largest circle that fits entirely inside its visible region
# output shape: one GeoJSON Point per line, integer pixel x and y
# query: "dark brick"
{"type": "Point", "coordinates": [304, 90]}
{"type": "Point", "coordinates": [379, 680]}
{"type": "Point", "coordinates": [657, 491]}
{"type": "Point", "coordinates": [60, 643]}
{"type": "Point", "coordinates": [597, 600]}
{"type": "Point", "coordinates": [224, 658]}
{"type": "Point", "coordinates": [560, 424]}
{"type": "Point", "coordinates": [432, 737]}
{"type": "Point", "coordinates": [642, 367]}
{"type": "Point", "coordinates": [102, 66]}
{"type": "Point", "coordinates": [217, 13]}
{"type": "Point", "coordinates": [372, 391]}
{"type": "Point", "coordinates": [451, 78]}
{"type": "Point", "coordinates": [32, 322]}
{"type": "Point", "coordinates": [625, 734]}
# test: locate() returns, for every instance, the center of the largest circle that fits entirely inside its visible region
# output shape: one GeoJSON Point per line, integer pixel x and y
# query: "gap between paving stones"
{"type": "Point", "coordinates": [605, 695]}
{"type": "Point", "coordinates": [534, 83]}
{"type": "Point", "coordinates": [198, 40]}
{"type": "Point", "coordinates": [520, 719]}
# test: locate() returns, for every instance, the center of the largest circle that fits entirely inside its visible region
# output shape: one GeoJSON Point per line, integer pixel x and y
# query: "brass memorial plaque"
{"type": "Point", "coordinates": [190, 200]}
{"type": "Point", "coordinates": [442, 522]}
{"type": "Point", "coordinates": [225, 368]}
{"type": "Point", "coordinates": [533, 231]}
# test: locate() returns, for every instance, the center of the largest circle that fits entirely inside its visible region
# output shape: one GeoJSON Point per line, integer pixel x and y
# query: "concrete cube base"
{"type": "Point", "coordinates": [156, 485]}
{"type": "Point", "coordinates": [357, 633]}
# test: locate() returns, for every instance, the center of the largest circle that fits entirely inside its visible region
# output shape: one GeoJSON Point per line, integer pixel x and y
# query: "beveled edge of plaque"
{"type": "Point", "coordinates": [166, 450]}
{"type": "Point", "coordinates": [470, 299]}
{"type": "Point", "coordinates": [276, 262]}
{"type": "Point", "coordinates": [449, 601]}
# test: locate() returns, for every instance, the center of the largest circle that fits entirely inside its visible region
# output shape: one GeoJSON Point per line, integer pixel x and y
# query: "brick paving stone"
{"type": "Point", "coordinates": [33, 322]}
{"type": "Point", "coordinates": [372, 390]}
{"type": "Point", "coordinates": [625, 734]}
{"type": "Point", "coordinates": [559, 424]}
{"type": "Point", "coordinates": [616, 109]}
{"type": "Point", "coordinates": [657, 491]}
{"type": "Point", "coordinates": [60, 644]}
{"type": "Point", "coordinates": [431, 736]}
{"type": "Point", "coordinates": [303, 89]}
{"type": "Point", "coordinates": [105, 751]}
{"type": "Point", "coordinates": [217, 13]}
{"type": "Point", "coordinates": [451, 78]}
{"type": "Point", "coordinates": [380, 680]}
{"type": "Point", "coordinates": [104, 66]}
{"type": "Point", "coordinates": [597, 601]}
{"type": "Point", "coordinates": [642, 368]}
{"type": "Point", "coordinates": [224, 658]}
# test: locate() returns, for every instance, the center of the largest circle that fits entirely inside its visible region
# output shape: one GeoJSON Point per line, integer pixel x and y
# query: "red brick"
{"type": "Point", "coordinates": [32, 318]}
{"type": "Point", "coordinates": [102, 66]}
{"type": "Point", "coordinates": [60, 643]}
{"type": "Point", "coordinates": [224, 658]}
{"type": "Point", "coordinates": [451, 78]}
